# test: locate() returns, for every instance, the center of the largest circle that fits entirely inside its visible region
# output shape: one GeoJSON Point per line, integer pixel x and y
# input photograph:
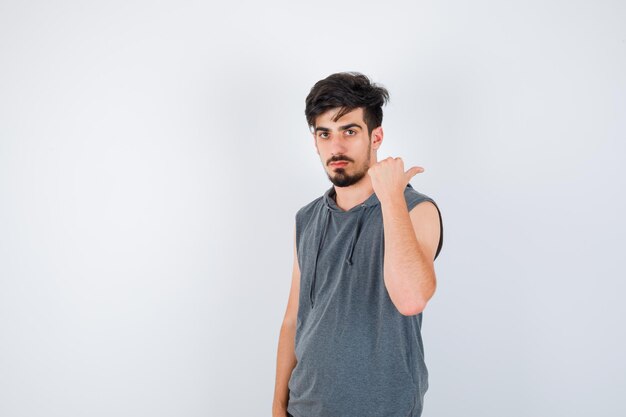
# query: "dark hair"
{"type": "Point", "coordinates": [347, 90]}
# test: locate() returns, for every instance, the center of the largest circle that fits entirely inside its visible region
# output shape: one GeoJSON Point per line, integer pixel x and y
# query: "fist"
{"type": "Point", "coordinates": [389, 178]}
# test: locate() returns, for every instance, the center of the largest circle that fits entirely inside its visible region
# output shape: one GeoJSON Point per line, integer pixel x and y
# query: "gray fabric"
{"type": "Point", "coordinates": [357, 355]}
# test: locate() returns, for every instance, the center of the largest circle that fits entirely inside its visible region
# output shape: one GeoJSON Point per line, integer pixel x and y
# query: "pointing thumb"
{"type": "Point", "coordinates": [413, 171]}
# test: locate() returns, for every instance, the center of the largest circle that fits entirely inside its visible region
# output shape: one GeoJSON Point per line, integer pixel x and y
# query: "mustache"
{"type": "Point", "coordinates": [339, 158]}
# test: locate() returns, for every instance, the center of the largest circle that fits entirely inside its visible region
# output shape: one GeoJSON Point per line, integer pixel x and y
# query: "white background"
{"type": "Point", "coordinates": [153, 156]}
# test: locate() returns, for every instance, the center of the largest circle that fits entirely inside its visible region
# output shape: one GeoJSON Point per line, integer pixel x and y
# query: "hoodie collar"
{"type": "Point", "coordinates": [330, 195]}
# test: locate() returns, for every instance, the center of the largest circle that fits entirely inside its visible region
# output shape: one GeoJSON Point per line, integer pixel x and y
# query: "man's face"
{"type": "Point", "coordinates": [344, 146]}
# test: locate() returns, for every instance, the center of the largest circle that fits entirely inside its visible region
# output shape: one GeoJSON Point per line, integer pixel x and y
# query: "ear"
{"type": "Point", "coordinates": [315, 143]}
{"type": "Point", "coordinates": [377, 137]}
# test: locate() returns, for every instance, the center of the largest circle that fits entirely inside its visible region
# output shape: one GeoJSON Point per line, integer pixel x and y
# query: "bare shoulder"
{"type": "Point", "coordinates": [425, 219]}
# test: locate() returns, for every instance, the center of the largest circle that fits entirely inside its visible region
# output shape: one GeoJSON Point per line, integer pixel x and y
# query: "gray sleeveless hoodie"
{"type": "Point", "coordinates": [357, 355]}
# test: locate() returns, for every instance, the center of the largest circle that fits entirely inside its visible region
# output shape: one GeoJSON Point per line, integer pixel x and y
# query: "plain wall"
{"type": "Point", "coordinates": [153, 156]}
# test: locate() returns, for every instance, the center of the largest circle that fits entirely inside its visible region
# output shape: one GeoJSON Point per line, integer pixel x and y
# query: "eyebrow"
{"type": "Point", "coordinates": [344, 127]}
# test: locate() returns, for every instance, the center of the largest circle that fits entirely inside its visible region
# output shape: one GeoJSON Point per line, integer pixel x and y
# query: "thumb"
{"type": "Point", "coordinates": [411, 172]}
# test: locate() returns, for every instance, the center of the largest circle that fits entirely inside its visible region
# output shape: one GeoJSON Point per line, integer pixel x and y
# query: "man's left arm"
{"type": "Point", "coordinates": [411, 241]}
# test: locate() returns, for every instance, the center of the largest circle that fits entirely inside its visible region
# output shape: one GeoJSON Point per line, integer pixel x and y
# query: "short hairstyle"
{"type": "Point", "coordinates": [347, 90]}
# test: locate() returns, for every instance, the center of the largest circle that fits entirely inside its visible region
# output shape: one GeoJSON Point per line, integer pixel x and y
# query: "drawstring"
{"type": "Point", "coordinates": [355, 235]}
{"type": "Point", "coordinates": [319, 247]}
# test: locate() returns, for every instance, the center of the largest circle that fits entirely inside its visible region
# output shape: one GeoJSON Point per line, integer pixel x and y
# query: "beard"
{"type": "Point", "coordinates": [340, 178]}
{"type": "Point", "coordinates": [343, 179]}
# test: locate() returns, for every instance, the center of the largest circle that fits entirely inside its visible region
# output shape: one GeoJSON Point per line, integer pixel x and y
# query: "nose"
{"type": "Point", "coordinates": [337, 145]}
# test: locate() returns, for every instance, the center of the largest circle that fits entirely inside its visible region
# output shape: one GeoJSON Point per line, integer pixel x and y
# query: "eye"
{"type": "Point", "coordinates": [323, 135]}
{"type": "Point", "coordinates": [351, 132]}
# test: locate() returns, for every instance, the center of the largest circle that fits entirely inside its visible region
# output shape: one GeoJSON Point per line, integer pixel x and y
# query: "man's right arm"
{"type": "Point", "coordinates": [286, 356]}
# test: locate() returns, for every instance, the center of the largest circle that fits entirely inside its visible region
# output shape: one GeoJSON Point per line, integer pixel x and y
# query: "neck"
{"type": "Point", "coordinates": [348, 197]}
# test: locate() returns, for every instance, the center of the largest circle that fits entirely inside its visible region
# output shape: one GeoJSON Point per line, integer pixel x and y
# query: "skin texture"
{"type": "Point", "coordinates": [411, 238]}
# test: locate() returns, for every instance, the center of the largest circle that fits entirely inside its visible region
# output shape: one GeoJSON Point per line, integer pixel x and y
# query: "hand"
{"type": "Point", "coordinates": [389, 178]}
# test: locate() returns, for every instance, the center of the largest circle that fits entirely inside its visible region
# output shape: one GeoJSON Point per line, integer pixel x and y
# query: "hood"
{"type": "Point", "coordinates": [332, 209]}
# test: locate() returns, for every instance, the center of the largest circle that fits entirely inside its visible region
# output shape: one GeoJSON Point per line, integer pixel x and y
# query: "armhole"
{"type": "Point", "coordinates": [298, 231]}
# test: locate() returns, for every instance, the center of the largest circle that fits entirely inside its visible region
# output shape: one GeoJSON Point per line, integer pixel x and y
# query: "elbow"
{"type": "Point", "coordinates": [415, 305]}
{"type": "Point", "coordinates": [412, 309]}
{"type": "Point", "coordinates": [414, 302]}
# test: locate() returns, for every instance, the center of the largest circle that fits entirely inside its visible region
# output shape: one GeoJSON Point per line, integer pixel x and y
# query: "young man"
{"type": "Point", "coordinates": [350, 343]}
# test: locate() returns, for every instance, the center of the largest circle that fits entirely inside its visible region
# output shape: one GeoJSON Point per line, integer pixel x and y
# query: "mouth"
{"type": "Point", "coordinates": [338, 164]}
